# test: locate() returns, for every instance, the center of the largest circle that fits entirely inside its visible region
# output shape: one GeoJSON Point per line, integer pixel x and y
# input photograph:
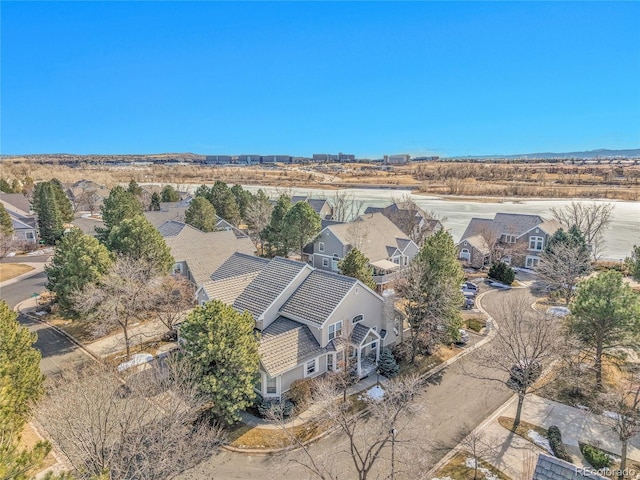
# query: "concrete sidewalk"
{"type": "Point", "coordinates": [512, 452]}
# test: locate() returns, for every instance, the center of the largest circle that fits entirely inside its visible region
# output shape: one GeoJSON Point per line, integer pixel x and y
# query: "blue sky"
{"type": "Point", "coordinates": [300, 77]}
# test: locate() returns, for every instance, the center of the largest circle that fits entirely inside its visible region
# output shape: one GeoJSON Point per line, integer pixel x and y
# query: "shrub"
{"type": "Point", "coordinates": [502, 272]}
{"type": "Point", "coordinates": [277, 408]}
{"type": "Point", "coordinates": [475, 324]}
{"type": "Point", "coordinates": [555, 440]}
{"type": "Point", "coordinates": [387, 364]}
{"type": "Point", "coordinates": [596, 457]}
{"type": "Point", "coordinates": [300, 392]}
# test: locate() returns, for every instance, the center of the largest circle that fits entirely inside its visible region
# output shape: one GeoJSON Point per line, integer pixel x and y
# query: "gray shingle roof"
{"type": "Point", "coordinates": [359, 333]}
{"type": "Point", "coordinates": [171, 228]}
{"type": "Point", "coordinates": [88, 225]}
{"type": "Point", "coordinates": [157, 218]}
{"type": "Point", "coordinates": [477, 226]}
{"type": "Point", "coordinates": [509, 223]}
{"type": "Point", "coordinates": [239, 264]}
{"type": "Point", "coordinates": [551, 468]}
{"type": "Point", "coordinates": [229, 289]}
{"type": "Point", "coordinates": [204, 252]}
{"type": "Point", "coordinates": [268, 285]}
{"type": "Point", "coordinates": [305, 304]}
{"type": "Point", "coordinates": [285, 344]}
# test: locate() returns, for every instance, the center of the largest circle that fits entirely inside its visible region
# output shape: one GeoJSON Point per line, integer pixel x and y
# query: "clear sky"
{"type": "Point", "coordinates": [299, 78]}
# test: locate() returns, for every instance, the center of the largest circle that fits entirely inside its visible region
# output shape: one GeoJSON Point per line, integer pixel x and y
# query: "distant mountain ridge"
{"type": "Point", "coordinates": [599, 153]}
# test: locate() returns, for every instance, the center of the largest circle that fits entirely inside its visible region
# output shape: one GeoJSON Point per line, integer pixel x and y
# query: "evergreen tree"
{"type": "Point", "coordinates": [119, 205]}
{"type": "Point", "coordinates": [243, 200]}
{"type": "Point", "coordinates": [5, 186]}
{"type": "Point", "coordinates": [201, 215]}
{"type": "Point", "coordinates": [356, 265]}
{"type": "Point", "coordinates": [62, 201]}
{"type": "Point", "coordinates": [502, 272]}
{"type": "Point", "coordinates": [50, 222]}
{"type": "Point", "coordinates": [20, 388]}
{"type": "Point", "coordinates": [138, 239]}
{"type": "Point", "coordinates": [633, 263]}
{"type": "Point", "coordinates": [134, 189]}
{"type": "Point", "coordinates": [203, 191]}
{"type": "Point", "coordinates": [387, 364]}
{"type": "Point", "coordinates": [6, 225]}
{"type": "Point", "coordinates": [605, 313]}
{"type": "Point", "coordinates": [224, 202]}
{"type": "Point", "coordinates": [169, 194]}
{"type": "Point", "coordinates": [79, 259]}
{"type": "Point", "coordinates": [154, 206]}
{"type": "Point", "coordinates": [302, 225]}
{"type": "Point", "coordinates": [274, 235]}
{"type": "Point", "coordinates": [222, 343]}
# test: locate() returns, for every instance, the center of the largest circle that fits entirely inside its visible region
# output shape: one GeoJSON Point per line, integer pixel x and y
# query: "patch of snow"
{"type": "Point", "coordinates": [558, 311]}
{"type": "Point", "coordinates": [11, 254]}
{"type": "Point", "coordinates": [41, 313]}
{"type": "Point", "coordinates": [525, 270]}
{"type": "Point", "coordinates": [583, 407]}
{"type": "Point", "coordinates": [375, 393]}
{"type": "Point", "coordinates": [137, 359]}
{"type": "Point", "coordinates": [471, 463]}
{"type": "Point", "coordinates": [540, 441]}
{"type": "Point", "coordinates": [611, 415]}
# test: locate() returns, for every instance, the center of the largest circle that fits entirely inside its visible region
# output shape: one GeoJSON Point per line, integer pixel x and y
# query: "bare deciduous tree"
{"type": "Point", "coordinates": [7, 242]}
{"type": "Point", "coordinates": [123, 296]}
{"type": "Point", "coordinates": [475, 443]}
{"type": "Point", "coordinates": [371, 444]}
{"type": "Point", "coordinates": [357, 234]}
{"type": "Point", "coordinates": [623, 414]}
{"type": "Point", "coordinates": [144, 427]}
{"type": "Point", "coordinates": [412, 220]}
{"type": "Point", "coordinates": [345, 206]}
{"type": "Point", "coordinates": [562, 267]}
{"type": "Point", "coordinates": [173, 297]}
{"type": "Point", "coordinates": [525, 343]}
{"type": "Point", "coordinates": [591, 218]}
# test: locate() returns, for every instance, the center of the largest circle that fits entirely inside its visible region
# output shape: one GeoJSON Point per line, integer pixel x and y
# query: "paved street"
{"type": "Point", "coordinates": [16, 292]}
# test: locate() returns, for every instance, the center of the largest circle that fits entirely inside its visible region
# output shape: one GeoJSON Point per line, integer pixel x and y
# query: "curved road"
{"type": "Point", "coordinates": [454, 401]}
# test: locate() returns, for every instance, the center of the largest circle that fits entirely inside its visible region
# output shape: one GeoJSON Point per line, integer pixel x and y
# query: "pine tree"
{"type": "Point", "coordinates": [356, 265]}
{"type": "Point", "coordinates": [222, 343]}
{"type": "Point", "coordinates": [633, 263]}
{"type": "Point", "coordinates": [119, 205]}
{"type": "Point", "coordinates": [502, 272]}
{"type": "Point", "coordinates": [274, 234]}
{"type": "Point", "coordinates": [243, 200]}
{"type": "Point", "coordinates": [50, 222]}
{"type": "Point", "coordinates": [224, 202]}
{"type": "Point", "coordinates": [79, 259]}
{"type": "Point", "coordinates": [20, 388]}
{"type": "Point", "coordinates": [6, 225]}
{"type": "Point", "coordinates": [302, 225]}
{"type": "Point", "coordinates": [387, 364]}
{"type": "Point", "coordinates": [169, 194]}
{"type": "Point", "coordinates": [137, 238]}
{"type": "Point", "coordinates": [201, 215]}
{"type": "Point", "coordinates": [62, 201]}
{"type": "Point", "coordinates": [134, 189]}
{"type": "Point", "coordinates": [154, 206]}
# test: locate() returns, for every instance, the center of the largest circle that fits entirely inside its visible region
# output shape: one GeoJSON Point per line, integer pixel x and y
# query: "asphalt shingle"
{"type": "Point", "coordinates": [239, 264]}
{"type": "Point", "coordinates": [552, 468]}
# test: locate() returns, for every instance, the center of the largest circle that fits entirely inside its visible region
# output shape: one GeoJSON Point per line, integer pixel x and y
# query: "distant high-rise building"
{"type": "Point", "coordinates": [401, 159]}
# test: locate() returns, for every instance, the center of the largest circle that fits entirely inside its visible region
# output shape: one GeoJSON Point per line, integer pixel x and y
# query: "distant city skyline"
{"type": "Point", "coordinates": [297, 78]}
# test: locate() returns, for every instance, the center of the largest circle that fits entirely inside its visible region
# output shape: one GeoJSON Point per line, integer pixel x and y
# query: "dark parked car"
{"type": "Point", "coordinates": [469, 286]}
{"type": "Point", "coordinates": [526, 371]}
{"type": "Point", "coordinates": [469, 303]}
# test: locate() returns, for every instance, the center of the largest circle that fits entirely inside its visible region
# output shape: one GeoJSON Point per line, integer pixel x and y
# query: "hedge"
{"type": "Point", "coordinates": [555, 440]}
{"type": "Point", "coordinates": [596, 457]}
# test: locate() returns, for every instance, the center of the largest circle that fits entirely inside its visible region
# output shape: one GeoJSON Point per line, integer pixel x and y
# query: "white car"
{"type": "Point", "coordinates": [137, 359]}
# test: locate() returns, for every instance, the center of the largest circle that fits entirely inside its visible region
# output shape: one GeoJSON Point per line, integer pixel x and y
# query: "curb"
{"type": "Point", "coordinates": [425, 376]}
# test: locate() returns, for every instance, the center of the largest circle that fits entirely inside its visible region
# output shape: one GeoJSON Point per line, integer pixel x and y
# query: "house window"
{"type": "Point", "coordinates": [357, 318]}
{"type": "Point", "coordinates": [506, 260]}
{"type": "Point", "coordinates": [465, 254]}
{"type": "Point", "coordinates": [335, 330]}
{"type": "Point", "coordinates": [30, 236]}
{"type": "Point", "coordinates": [396, 260]}
{"type": "Point", "coordinates": [330, 363]}
{"type": "Point", "coordinates": [272, 386]}
{"type": "Point", "coordinates": [405, 260]}
{"type": "Point", "coordinates": [508, 238]}
{"type": "Point", "coordinates": [374, 344]}
{"type": "Point", "coordinates": [532, 262]}
{"type": "Point", "coordinates": [536, 243]}
{"type": "Point", "coordinates": [325, 262]}
{"type": "Point", "coordinates": [310, 367]}
{"type": "Point", "coordinates": [321, 246]}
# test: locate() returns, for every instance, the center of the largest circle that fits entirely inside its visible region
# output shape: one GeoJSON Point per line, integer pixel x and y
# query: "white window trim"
{"type": "Point", "coordinates": [321, 246]}
{"type": "Point", "coordinates": [535, 240]}
{"type": "Point", "coordinates": [325, 262]}
{"type": "Point", "coordinates": [335, 330]}
{"type": "Point", "coordinates": [354, 317]}
{"type": "Point", "coordinates": [315, 371]}
{"type": "Point", "coordinates": [263, 386]}
{"type": "Point", "coordinates": [534, 259]}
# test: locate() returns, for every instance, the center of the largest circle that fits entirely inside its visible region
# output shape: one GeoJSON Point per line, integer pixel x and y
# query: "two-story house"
{"type": "Point", "coordinates": [378, 238]}
{"type": "Point", "coordinates": [410, 218]}
{"type": "Point", "coordinates": [310, 320]}
{"type": "Point", "coordinates": [514, 238]}
{"type": "Point", "coordinates": [23, 221]}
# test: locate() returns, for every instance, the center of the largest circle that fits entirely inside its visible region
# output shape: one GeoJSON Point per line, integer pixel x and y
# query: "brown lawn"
{"type": "Point", "coordinates": [12, 270]}
{"type": "Point", "coordinates": [458, 470]}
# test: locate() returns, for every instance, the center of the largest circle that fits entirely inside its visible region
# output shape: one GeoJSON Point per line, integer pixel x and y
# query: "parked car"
{"type": "Point", "coordinates": [469, 303]}
{"type": "Point", "coordinates": [470, 286]}
{"type": "Point", "coordinates": [525, 371]}
{"type": "Point", "coordinates": [464, 337]}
